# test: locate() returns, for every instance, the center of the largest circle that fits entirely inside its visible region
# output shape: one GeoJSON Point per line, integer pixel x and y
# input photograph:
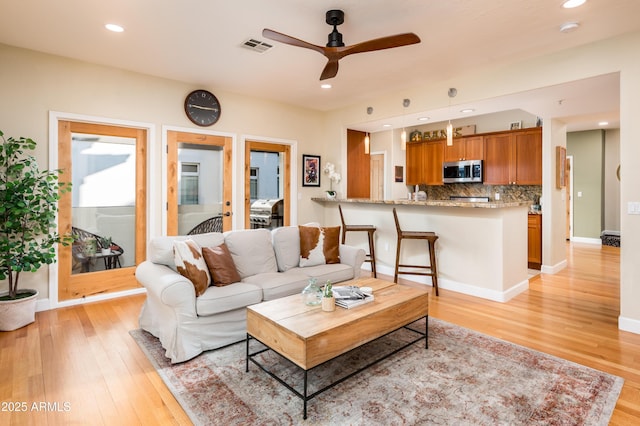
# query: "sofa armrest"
{"type": "Point", "coordinates": [168, 287]}
{"type": "Point", "coordinates": [353, 257]}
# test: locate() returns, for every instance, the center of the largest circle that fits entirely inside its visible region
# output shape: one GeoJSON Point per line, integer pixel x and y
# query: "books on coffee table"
{"type": "Point", "coordinates": [350, 296]}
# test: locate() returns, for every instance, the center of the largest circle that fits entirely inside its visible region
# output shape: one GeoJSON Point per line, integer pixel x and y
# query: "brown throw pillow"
{"type": "Point", "coordinates": [319, 245]}
{"type": "Point", "coordinates": [221, 265]}
{"type": "Point", "coordinates": [190, 263]}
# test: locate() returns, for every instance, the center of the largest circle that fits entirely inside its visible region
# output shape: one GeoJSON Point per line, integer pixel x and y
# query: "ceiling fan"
{"type": "Point", "coordinates": [335, 48]}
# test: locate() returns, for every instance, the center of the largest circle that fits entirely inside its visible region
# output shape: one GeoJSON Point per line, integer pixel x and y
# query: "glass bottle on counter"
{"type": "Point", "coordinates": [312, 294]}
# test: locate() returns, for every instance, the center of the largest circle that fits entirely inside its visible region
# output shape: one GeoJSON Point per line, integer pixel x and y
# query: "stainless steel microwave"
{"type": "Point", "coordinates": [462, 171]}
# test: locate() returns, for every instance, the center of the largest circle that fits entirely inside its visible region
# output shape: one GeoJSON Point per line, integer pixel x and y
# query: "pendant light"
{"type": "Point", "coordinates": [452, 93]}
{"type": "Point", "coordinates": [367, 139]}
{"type": "Point", "coordinates": [403, 135]}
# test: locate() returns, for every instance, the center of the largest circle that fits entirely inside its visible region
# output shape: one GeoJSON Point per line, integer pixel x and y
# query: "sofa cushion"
{"type": "Point", "coordinates": [279, 284]}
{"type": "Point", "coordinates": [252, 251]}
{"type": "Point", "coordinates": [220, 263]}
{"type": "Point", "coordinates": [336, 272]}
{"type": "Point", "coordinates": [286, 245]}
{"type": "Point", "coordinates": [319, 245]}
{"type": "Point", "coordinates": [191, 264]}
{"type": "Point", "coordinates": [161, 248]}
{"type": "Point", "coordinates": [216, 300]}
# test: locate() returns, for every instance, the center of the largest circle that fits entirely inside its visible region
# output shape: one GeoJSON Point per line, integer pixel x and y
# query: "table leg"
{"type": "Point", "coordinates": [247, 358]}
{"type": "Point", "coordinates": [304, 410]}
{"type": "Point", "coordinates": [426, 332]}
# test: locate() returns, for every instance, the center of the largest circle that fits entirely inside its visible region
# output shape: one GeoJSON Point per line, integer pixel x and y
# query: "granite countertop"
{"type": "Point", "coordinates": [427, 203]}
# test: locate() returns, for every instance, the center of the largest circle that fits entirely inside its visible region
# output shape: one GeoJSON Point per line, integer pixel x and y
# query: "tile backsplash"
{"type": "Point", "coordinates": [507, 192]}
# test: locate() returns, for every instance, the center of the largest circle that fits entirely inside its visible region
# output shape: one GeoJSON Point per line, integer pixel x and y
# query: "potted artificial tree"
{"type": "Point", "coordinates": [28, 207]}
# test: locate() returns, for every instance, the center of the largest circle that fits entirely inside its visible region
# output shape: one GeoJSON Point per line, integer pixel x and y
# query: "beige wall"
{"type": "Point", "coordinates": [614, 55]}
{"type": "Point", "coordinates": [33, 84]}
{"type": "Point", "coordinates": [611, 182]}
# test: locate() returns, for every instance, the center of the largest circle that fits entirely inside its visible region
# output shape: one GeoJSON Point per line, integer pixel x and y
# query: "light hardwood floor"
{"type": "Point", "coordinates": [79, 365]}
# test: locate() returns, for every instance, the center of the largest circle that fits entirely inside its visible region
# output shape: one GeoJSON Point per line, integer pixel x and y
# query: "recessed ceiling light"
{"type": "Point", "coordinates": [325, 86]}
{"type": "Point", "coordinates": [570, 4]}
{"type": "Point", "coordinates": [568, 27]}
{"type": "Point", "coordinates": [424, 118]}
{"type": "Point", "coordinates": [114, 27]}
{"type": "Point", "coordinates": [386, 125]}
{"type": "Point", "coordinates": [603, 123]}
{"type": "Point", "coordinates": [467, 110]}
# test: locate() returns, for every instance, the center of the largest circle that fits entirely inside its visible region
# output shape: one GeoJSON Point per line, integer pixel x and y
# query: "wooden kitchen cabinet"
{"type": "Point", "coordinates": [415, 162]}
{"type": "Point", "coordinates": [513, 158]}
{"type": "Point", "coordinates": [433, 162]}
{"type": "Point", "coordinates": [534, 241]}
{"type": "Point", "coordinates": [424, 162]}
{"type": "Point", "coordinates": [465, 148]}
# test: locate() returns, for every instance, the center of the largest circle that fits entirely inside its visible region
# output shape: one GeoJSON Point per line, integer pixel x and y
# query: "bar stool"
{"type": "Point", "coordinates": [369, 229]}
{"type": "Point", "coordinates": [431, 238]}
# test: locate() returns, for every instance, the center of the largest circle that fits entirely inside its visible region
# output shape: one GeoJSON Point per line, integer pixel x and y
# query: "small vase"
{"type": "Point", "coordinates": [312, 294]}
{"type": "Point", "coordinates": [331, 195]}
{"type": "Point", "coordinates": [106, 251]}
{"type": "Point", "coordinates": [328, 304]}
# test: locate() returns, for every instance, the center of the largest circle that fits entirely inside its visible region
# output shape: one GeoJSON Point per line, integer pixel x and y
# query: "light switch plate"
{"type": "Point", "coordinates": [633, 207]}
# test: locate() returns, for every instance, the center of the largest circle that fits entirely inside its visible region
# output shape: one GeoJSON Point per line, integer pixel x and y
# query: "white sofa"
{"type": "Point", "coordinates": [267, 262]}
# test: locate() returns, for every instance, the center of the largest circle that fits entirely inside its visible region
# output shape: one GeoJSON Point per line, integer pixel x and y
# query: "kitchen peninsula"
{"type": "Point", "coordinates": [481, 250]}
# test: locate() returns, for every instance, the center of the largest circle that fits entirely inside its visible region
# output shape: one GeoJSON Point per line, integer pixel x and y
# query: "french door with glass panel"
{"type": "Point", "coordinates": [267, 183]}
{"type": "Point", "coordinates": [105, 210]}
{"type": "Point", "coordinates": [199, 187]}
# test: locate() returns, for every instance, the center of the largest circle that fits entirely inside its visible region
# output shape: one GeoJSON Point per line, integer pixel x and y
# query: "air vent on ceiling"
{"type": "Point", "coordinates": [257, 45]}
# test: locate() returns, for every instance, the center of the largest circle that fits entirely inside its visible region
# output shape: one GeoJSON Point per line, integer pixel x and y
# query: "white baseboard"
{"type": "Point", "coordinates": [45, 304]}
{"type": "Point", "coordinates": [596, 241]}
{"type": "Point", "coordinates": [629, 324]}
{"type": "Point", "coordinates": [471, 290]}
{"type": "Point", "coordinates": [554, 269]}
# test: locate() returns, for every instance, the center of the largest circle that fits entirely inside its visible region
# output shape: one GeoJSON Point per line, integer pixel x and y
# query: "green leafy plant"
{"type": "Point", "coordinates": [328, 290]}
{"type": "Point", "coordinates": [28, 208]}
{"type": "Point", "coordinates": [105, 242]}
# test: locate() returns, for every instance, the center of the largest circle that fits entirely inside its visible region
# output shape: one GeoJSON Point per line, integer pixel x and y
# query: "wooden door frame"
{"type": "Point", "coordinates": [255, 144]}
{"type": "Point", "coordinates": [61, 125]}
{"type": "Point", "coordinates": [173, 137]}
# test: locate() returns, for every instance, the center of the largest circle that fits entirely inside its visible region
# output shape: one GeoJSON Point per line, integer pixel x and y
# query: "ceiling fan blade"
{"type": "Point", "coordinates": [283, 38]}
{"type": "Point", "coordinates": [388, 42]}
{"type": "Point", "coordinates": [330, 70]}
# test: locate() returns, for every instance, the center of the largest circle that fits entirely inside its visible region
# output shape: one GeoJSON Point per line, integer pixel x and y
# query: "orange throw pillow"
{"type": "Point", "coordinates": [221, 265]}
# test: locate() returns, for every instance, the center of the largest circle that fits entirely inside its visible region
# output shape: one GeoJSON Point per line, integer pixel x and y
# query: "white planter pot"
{"type": "Point", "coordinates": [17, 313]}
{"type": "Point", "coordinates": [106, 252]}
{"type": "Point", "coordinates": [328, 304]}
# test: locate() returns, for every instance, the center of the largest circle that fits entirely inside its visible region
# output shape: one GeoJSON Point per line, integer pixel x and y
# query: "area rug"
{"type": "Point", "coordinates": [463, 378]}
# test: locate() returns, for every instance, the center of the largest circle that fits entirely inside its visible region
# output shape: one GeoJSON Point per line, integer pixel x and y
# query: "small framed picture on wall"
{"type": "Point", "coordinates": [310, 170]}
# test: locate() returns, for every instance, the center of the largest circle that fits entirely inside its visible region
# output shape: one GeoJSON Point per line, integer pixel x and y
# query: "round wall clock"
{"type": "Point", "coordinates": [202, 107]}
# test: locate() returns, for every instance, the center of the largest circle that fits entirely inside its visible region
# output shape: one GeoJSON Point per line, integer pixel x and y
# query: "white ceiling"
{"type": "Point", "coordinates": [199, 41]}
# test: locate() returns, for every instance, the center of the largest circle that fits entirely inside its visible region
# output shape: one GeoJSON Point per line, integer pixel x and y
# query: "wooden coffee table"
{"type": "Point", "coordinates": [309, 337]}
